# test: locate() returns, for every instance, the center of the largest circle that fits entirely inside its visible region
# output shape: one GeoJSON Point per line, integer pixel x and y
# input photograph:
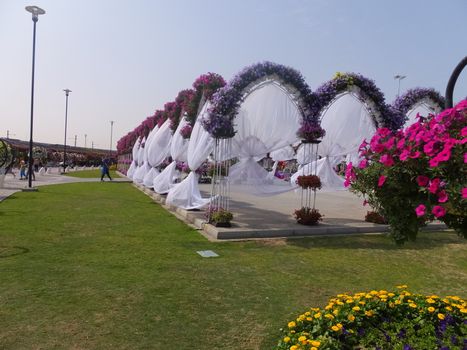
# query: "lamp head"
{"type": "Point", "coordinates": [67, 91]}
{"type": "Point", "coordinates": [35, 11]}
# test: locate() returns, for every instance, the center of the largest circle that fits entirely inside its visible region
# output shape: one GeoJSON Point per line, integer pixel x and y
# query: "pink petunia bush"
{"type": "Point", "coordinates": [416, 175]}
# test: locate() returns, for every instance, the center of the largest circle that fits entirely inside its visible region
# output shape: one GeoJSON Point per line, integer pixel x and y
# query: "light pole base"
{"type": "Point", "coordinates": [30, 189]}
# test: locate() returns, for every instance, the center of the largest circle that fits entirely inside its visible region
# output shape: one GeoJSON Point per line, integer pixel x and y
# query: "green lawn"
{"type": "Point", "coordinates": [96, 173]}
{"type": "Point", "coordinates": [93, 266]}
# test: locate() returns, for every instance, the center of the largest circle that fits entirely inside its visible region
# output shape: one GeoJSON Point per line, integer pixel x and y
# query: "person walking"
{"type": "Point", "coordinates": [105, 169]}
{"type": "Point", "coordinates": [22, 170]}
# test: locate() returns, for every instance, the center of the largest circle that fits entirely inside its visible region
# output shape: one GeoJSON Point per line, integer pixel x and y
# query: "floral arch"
{"type": "Point", "coordinates": [423, 100]}
{"type": "Point", "coordinates": [382, 114]}
{"type": "Point", "coordinates": [227, 101]}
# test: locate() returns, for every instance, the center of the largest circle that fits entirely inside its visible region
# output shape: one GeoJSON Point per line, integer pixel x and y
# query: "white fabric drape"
{"type": "Point", "coordinates": [131, 169]}
{"type": "Point", "coordinates": [165, 180]}
{"type": "Point", "coordinates": [423, 108]}
{"type": "Point", "coordinates": [160, 145]}
{"type": "Point", "coordinates": [142, 167]}
{"type": "Point", "coordinates": [134, 162]}
{"type": "Point", "coordinates": [347, 122]}
{"type": "Point", "coordinates": [179, 145]}
{"type": "Point", "coordinates": [267, 121]}
{"type": "Point", "coordinates": [186, 194]}
{"type": "Point", "coordinates": [149, 176]}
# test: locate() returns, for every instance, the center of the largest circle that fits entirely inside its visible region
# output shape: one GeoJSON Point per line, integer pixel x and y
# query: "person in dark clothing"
{"type": "Point", "coordinates": [105, 170]}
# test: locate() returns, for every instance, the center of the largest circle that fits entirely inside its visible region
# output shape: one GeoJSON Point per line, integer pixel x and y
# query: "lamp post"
{"type": "Point", "coordinates": [111, 132]}
{"type": "Point", "coordinates": [85, 140]}
{"type": "Point", "coordinates": [399, 77]}
{"type": "Point", "coordinates": [35, 11]}
{"type": "Point", "coordinates": [67, 92]}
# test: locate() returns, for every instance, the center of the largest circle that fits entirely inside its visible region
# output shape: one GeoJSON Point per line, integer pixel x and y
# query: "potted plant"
{"type": "Point", "coordinates": [219, 217]}
{"type": "Point", "coordinates": [309, 181]}
{"type": "Point", "coordinates": [308, 216]}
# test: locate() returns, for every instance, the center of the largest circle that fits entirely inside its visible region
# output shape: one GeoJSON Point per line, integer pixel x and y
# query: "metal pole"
{"type": "Point", "coordinates": [34, 19]}
{"type": "Point", "coordinates": [67, 91]}
{"type": "Point", "coordinates": [111, 132]}
{"type": "Point", "coordinates": [85, 140]}
{"type": "Point", "coordinates": [452, 82]}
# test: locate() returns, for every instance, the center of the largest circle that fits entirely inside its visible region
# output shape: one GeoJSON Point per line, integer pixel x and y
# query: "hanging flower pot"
{"type": "Point", "coordinates": [309, 181]}
{"type": "Point", "coordinates": [308, 216]}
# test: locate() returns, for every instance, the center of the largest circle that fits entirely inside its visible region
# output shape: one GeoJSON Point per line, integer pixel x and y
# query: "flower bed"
{"type": "Point", "coordinates": [381, 319]}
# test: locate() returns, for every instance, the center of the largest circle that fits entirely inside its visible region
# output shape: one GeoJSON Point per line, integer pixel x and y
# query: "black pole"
{"type": "Point", "coordinates": [34, 19]}
{"type": "Point", "coordinates": [452, 81]}
{"type": "Point", "coordinates": [64, 143]}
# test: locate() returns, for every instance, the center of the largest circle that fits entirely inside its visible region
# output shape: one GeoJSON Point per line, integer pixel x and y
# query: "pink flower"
{"type": "Point", "coordinates": [363, 164]}
{"type": "Point", "coordinates": [381, 180]}
{"type": "Point", "coordinates": [363, 145]}
{"type": "Point", "coordinates": [346, 183]}
{"type": "Point", "coordinates": [444, 155]}
{"type": "Point", "coordinates": [422, 180]}
{"type": "Point", "coordinates": [420, 210]}
{"type": "Point", "coordinates": [365, 202]}
{"type": "Point", "coordinates": [465, 158]}
{"type": "Point", "coordinates": [428, 148]}
{"type": "Point", "coordinates": [434, 185]}
{"type": "Point", "coordinates": [464, 193]}
{"type": "Point", "coordinates": [415, 155]}
{"type": "Point", "coordinates": [438, 211]}
{"type": "Point", "coordinates": [386, 160]}
{"type": "Point", "coordinates": [404, 155]}
{"type": "Point", "coordinates": [464, 131]}
{"type": "Point", "coordinates": [442, 196]}
{"type": "Point", "coordinates": [401, 143]}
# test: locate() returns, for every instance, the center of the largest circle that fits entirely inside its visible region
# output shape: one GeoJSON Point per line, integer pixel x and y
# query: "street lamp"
{"type": "Point", "coordinates": [67, 92]}
{"type": "Point", "coordinates": [399, 77]}
{"type": "Point", "coordinates": [111, 132]}
{"type": "Point", "coordinates": [35, 11]}
{"type": "Point", "coordinates": [85, 140]}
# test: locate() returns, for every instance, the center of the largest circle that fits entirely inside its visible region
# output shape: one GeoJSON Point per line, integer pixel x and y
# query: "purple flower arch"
{"type": "Point", "coordinates": [409, 99]}
{"type": "Point", "coordinates": [382, 114]}
{"type": "Point", "coordinates": [227, 100]}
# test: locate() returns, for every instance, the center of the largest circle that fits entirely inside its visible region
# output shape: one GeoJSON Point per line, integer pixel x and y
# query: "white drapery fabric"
{"type": "Point", "coordinates": [134, 162]}
{"type": "Point", "coordinates": [267, 121]}
{"type": "Point", "coordinates": [178, 150]}
{"type": "Point", "coordinates": [142, 168]}
{"type": "Point", "coordinates": [186, 194]}
{"type": "Point", "coordinates": [149, 176]}
{"type": "Point", "coordinates": [347, 123]}
{"type": "Point", "coordinates": [424, 108]}
{"type": "Point", "coordinates": [160, 145]}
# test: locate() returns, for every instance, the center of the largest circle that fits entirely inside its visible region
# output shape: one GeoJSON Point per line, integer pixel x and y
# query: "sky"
{"type": "Point", "coordinates": [123, 59]}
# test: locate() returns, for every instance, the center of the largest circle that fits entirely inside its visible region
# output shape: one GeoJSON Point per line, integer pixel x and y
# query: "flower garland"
{"type": "Point", "coordinates": [381, 113]}
{"type": "Point", "coordinates": [204, 87]}
{"type": "Point", "coordinates": [407, 101]}
{"type": "Point", "coordinates": [227, 100]}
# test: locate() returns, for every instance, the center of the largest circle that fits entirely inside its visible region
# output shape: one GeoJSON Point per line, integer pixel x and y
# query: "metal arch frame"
{"type": "Point", "coordinates": [452, 81]}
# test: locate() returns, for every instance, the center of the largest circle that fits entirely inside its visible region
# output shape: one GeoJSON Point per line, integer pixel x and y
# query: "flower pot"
{"type": "Point", "coordinates": [222, 224]}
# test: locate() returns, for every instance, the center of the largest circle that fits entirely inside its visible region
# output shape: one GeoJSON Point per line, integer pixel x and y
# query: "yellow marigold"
{"type": "Point", "coordinates": [302, 339]}
{"type": "Point", "coordinates": [286, 339]}
{"type": "Point", "coordinates": [402, 286]}
{"type": "Point", "coordinates": [351, 318]}
{"type": "Point", "coordinates": [398, 302]}
{"type": "Point", "coordinates": [294, 347]}
{"type": "Point", "coordinates": [339, 325]}
{"type": "Point", "coordinates": [314, 309]}
{"type": "Point", "coordinates": [338, 302]}
{"type": "Point", "coordinates": [391, 295]}
{"type": "Point", "coordinates": [373, 292]}
{"type": "Point", "coordinates": [291, 324]}
{"type": "Point", "coordinates": [431, 309]}
{"type": "Point", "coordinates": [313, 348]}
{"type": "Point", "coordinates": [330, 316]}
{"type": "Point", "coordinates": [369, 313]}
{"type": "Point", "coordinates": [368, 296]}
{"type": "Point", "coordinates": [301, 318]}
{"type": "Point", "coordinates": [308, 318]}
{"type": "Point", "coordinates": [336, 312]}
{"type": "Point", "coordinates": [329, 306]}
{"type": "Point", "coordinates": [335, 328]}
{"type": "Point", "coordinates": [308, 313]}
{"type": "Point", "coordinates": [413, 305]}
{"type": "Point", "coordinates": [349, 301]}
{"type": "Point", "coordinates": [361, 302]}
{"type": "Point", "coordinates": [356, 308]}
{"type": "Point", "coordinates": [441, 316]}
{"type": "Point", "coordinates": [464, 311]}
{"type": "Point", "coordinates": [383, 292]}
{"type": "Point", "coordinates": [430, 301]}
{"type": "Point", "coordinates": [456, 298]}
{"type": "Point", "coordinates": [292, 331]}
{"type": "Point", "coordinates": [448, 308]}
{"type": "Point", "coordinates": [315, 343]}
{"type": "Point", "coordinates": [317, 315]}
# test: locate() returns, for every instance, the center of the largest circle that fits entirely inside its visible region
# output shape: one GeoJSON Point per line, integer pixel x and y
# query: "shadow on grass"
{"type": "Point", "coordinates": [425, 240]}
{"type": "Point", "coordinates": [8, 252]}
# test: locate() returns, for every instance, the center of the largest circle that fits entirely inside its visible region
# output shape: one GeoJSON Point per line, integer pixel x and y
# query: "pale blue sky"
{"type": "Point", "coordinates": [125, 59]}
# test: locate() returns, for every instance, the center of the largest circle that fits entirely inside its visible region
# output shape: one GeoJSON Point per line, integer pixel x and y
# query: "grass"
{"type": "Point", "coordinates": [96, 173]}
{"type": "Point", "coordinates": [93, 266]}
